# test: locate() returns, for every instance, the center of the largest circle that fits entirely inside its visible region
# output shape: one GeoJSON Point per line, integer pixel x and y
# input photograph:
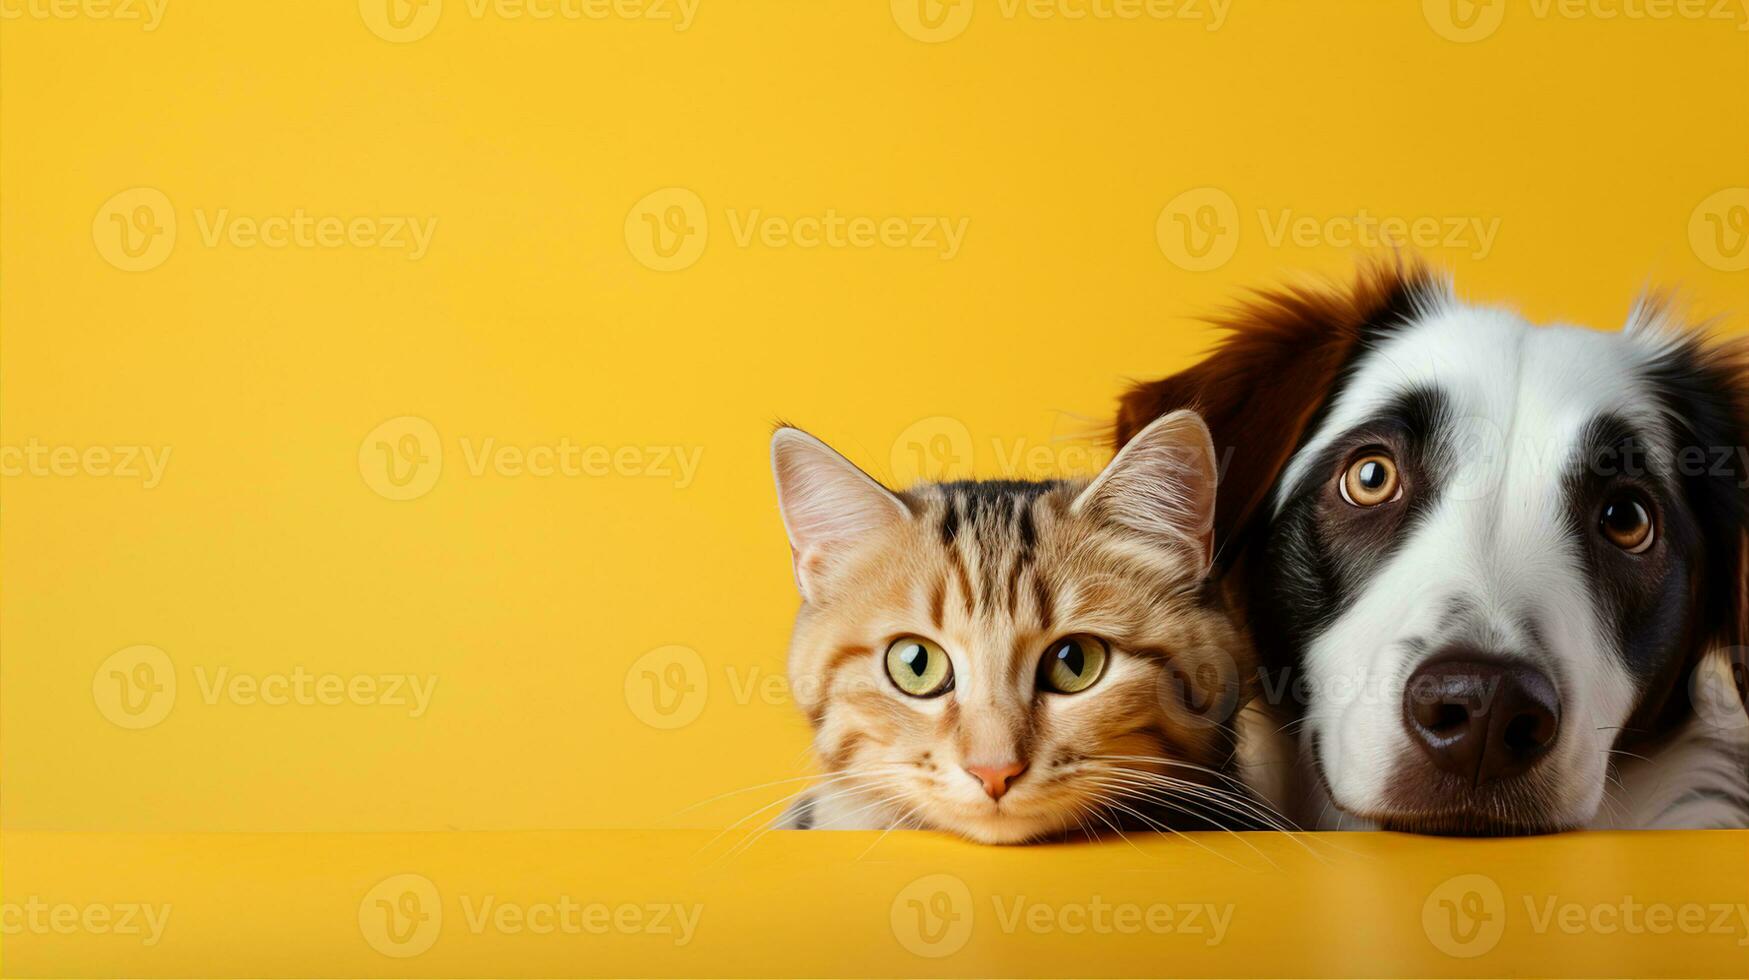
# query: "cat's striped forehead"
{"type": "Point", "coordinates": [1019, 557]}
{"type": "Point", "coordinates": [991, 513]}
{"type": "Point", "coordinates": [989, 533]}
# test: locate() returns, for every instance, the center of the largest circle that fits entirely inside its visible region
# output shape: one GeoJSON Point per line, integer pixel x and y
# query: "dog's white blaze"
{"type": "Point", "coordinates": [1500, 539]}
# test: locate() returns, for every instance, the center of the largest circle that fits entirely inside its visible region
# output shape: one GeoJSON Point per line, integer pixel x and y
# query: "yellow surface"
{"type": "Point", "coordinates": [282, 280]}
{"type": "Point", "coordinates": [675, 903]}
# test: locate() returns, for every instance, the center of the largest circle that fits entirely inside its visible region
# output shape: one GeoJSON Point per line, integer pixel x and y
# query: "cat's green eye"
{"type": "Point", "coordinates": [919, 667]}
{"type": "Point", "coordinates": [1072, 664]}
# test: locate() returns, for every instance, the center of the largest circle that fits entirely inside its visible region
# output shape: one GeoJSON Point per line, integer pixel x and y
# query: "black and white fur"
{"type": "Point", "coordinates": [1509, 437]}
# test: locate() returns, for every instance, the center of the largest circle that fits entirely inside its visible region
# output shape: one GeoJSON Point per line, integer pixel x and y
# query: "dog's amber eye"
{"type": "Point", "coordinates": [1627, 523]}
{"type": "Point", "coordinates": [1371, 480]}
{"type": "Point", "coordinates": [919, 667]}
{"type": "Point", "coordinates": [1072, 664]}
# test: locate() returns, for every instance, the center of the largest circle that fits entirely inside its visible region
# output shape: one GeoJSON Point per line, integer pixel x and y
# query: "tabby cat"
{"type": "Point", "coordinates": [1011, 661]}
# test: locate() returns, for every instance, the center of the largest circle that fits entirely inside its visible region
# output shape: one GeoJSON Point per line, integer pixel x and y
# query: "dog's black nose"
{"type": "Point", "coordinates": [1479, 717]}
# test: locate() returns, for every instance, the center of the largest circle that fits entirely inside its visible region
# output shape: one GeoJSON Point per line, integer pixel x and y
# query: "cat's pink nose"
{"type": "Point", "coordinates": [996, 779]}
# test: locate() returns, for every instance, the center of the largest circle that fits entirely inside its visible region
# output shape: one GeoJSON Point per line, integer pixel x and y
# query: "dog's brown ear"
{"type": "Point", "coordinates": [1265, 382]}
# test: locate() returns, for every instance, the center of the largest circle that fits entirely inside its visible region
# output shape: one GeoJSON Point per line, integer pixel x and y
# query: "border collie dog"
{"type": "Point", "coordinates": [1496, 571]}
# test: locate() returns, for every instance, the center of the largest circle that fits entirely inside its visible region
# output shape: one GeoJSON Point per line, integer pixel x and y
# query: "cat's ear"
{"type": "Point", "coordinates": [1162, 486]}
{"type": "Point", "coordinates": [828, 505]}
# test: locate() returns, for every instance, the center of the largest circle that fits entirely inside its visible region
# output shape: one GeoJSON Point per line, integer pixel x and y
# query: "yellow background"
{"type": "Point", "coordinates": [531, 319]}
{"type": "Point", "coordinates": [1601, 154]}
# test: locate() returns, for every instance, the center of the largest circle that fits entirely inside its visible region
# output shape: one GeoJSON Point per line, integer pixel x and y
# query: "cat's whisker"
{"type": "Point", "coordinates": [749, 789]}
{"type": "Point", "coordinates": [1292, 726]}
{"type": "Point", "coordinates": [872, 781]}
{"type": "Point", "coordinates": [1154, 792]}
{"type": "Point", "coordinates": [884, 801]}
{"type": "Point", "coordinates": [1117, 803]}
{"type": "Point", "coordinates": [877, 804]}
{"type": "Point", "coordinates": [762, 808]}
{"type": "Point", "coordinates": [1102, 801]}
{"type": "Point", "coordinates": [1277, 821]}
{"type": "Point", "coordinates": [1059, 814]}
{"type": "Point", "coordinates": [1109, 802]}
{"type": "Point", "coordinates": [1125, 787]}
{"type": "Point", "coordinates": [1084, 828]}
{"type": "Point", "coordinates": [747, 842]}
{"type": "Point", "coordinates": [909, 815]}
{"type": "Point", "coordinates": [1114, 803]}
{"type": "Point", "coordinates": [841, 777]}
{"type": "Point", "coordinates": [817, 781]}
{"type": "Point", "coordinates": [1609, 803]}
{"type": "Point", "coordinates": [1259, 811]}
{"type": "Point", "coordinates": [1175, 782]}
{"type": "Point", "coordinates": [1242, 806]}
{"type": "Point", "coordinates": [1172, 763]}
